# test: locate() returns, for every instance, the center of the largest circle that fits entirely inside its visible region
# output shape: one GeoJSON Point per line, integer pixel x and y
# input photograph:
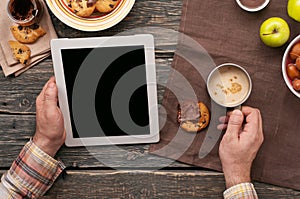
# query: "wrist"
{"type": "Point", "coordinates": [47, 146]}
{"type": "Point", "coordinates": [236, 176]}
{"type": "Point", "coordinates": [234, 180]}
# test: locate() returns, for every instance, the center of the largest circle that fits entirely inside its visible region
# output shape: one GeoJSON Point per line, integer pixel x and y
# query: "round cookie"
{"type": "Point", "coordinates": [21, 52]}
{"type": "Point", "coordinates": [106, 5]}
{"type": "Point", "coordinates": [27, 34]}
{"type": "Point", "coordinates": [196, 124]}
{"type": "Point", "coordinates": [82, 8]}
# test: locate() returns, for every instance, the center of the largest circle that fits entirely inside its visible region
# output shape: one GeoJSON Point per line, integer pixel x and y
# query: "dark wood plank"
{"type": "Point", "coordinates": [152, 184]}
{"type": "Point", "coordinates": [17, 95]}
{"type": "Point", "coordinates": [138, 184]}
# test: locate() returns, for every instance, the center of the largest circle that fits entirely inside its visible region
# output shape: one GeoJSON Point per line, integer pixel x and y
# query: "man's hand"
{"type": "Point", "coordinates": [240, 144]}
{"type": "Point", "coordinates": [50, 133]}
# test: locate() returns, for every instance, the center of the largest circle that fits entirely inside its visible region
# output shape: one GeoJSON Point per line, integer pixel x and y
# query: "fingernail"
{"type": "Point", "coordinates": [237, 112]}
{"type": "Point", "coordinates": [51, 85]}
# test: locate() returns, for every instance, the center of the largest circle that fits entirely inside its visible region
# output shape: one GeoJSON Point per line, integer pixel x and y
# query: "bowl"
{"type": "Point", "coordinates": [253, 6]}
{"type": "Point", "coordinates": [287, 60]}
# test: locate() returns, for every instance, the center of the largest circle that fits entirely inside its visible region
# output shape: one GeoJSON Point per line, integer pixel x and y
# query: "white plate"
{"type": "Point", "coordinates": [95, 22]}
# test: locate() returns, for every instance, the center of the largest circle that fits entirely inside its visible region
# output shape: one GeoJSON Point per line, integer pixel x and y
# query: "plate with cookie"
{"type": "Point", "coordinates": [90, 15]}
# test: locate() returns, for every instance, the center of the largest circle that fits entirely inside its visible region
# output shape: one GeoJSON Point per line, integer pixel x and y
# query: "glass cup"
{"type": "Point", "coordinates": [24, 12]}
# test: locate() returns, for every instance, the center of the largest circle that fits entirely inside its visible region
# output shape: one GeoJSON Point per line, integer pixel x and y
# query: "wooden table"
{"type": "Point", "coordinates": [134, 173]}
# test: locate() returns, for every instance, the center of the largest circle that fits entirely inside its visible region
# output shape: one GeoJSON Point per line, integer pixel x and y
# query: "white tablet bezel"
{"type": "Point", "coordinates": [147, 41]}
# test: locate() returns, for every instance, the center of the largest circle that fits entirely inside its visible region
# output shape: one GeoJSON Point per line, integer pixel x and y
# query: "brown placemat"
{"type": "Point", "coordinates": [230, 34]}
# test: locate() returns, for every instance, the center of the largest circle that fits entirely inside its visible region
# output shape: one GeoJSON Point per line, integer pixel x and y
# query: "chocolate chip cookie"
{"type": "Point", "coordinates": [27, 34]}
{"type": "Point", "coordinates": [193, 116]}
{"type": "Point", "coordinates": [106, 5]}
{"type": "Point", "coordinates": [21, 52]}
{"type": "Point", "coordinates": [82, 8]}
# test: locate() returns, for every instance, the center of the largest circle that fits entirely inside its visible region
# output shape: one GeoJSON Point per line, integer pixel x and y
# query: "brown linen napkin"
{"type": "Point", "coordinates": [230, 34]}
{"type": "Point", "coordinates": [39, 50]}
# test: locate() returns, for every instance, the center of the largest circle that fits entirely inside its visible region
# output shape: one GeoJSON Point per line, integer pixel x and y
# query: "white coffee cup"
{"type": "Point", "coordinates": [229, 85]}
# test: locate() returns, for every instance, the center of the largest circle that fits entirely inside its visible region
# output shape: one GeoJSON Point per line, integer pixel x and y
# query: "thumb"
{"type": "Point", "coordinates": [50, 96]}
{"type": "Point", "coordinates": [235, 123]}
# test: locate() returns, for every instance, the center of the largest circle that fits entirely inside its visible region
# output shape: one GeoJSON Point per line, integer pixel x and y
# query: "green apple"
{"type": "Point", "coordinates": [293, 9]}
{"type": "Point", "coordinates": [274, 32]}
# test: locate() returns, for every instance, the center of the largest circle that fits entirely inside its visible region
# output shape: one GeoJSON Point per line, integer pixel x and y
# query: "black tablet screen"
{"type": "Point", "coordinates": [107, 91]}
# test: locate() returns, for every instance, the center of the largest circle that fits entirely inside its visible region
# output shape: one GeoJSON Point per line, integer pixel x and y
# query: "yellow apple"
{"type": "Point", "coordinates": [293, 9]}
{"type": "Point", "coordinates": [274, 32]}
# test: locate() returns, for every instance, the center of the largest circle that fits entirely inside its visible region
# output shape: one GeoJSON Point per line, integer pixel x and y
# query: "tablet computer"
{"type": "Point", "coordinates": [107, 89]}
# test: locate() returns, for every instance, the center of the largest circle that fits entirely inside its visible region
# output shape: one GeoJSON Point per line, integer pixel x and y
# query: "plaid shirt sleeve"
{"type": "Point", "coordinates": [31, 174]}
{"type": "Point", "coordinates": [243, 190]}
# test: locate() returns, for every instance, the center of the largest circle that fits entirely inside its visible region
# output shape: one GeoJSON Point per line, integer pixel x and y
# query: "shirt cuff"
{"type": "Point", "coordinates": [33, 172]}
{"type": "Point", "coordinates": [243, 190]}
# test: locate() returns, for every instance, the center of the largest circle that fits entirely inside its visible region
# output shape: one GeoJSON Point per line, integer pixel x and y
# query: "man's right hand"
{"type": "Point", "coordinates": [240, 144]}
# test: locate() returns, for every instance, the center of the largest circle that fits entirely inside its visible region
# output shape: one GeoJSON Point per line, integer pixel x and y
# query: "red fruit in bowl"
{"type": "Point", "coordinates": [295, 52]}
{"type": "Point", "coordinates": [296, 84]}
{"type": "Point", "coordinates": [292, 72]}
{"type": "Point", "coordinates": [298, 63]}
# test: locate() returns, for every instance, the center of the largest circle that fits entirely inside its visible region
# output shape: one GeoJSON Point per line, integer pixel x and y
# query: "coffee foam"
{"type": "Point", "coordinates": [229, 86]}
